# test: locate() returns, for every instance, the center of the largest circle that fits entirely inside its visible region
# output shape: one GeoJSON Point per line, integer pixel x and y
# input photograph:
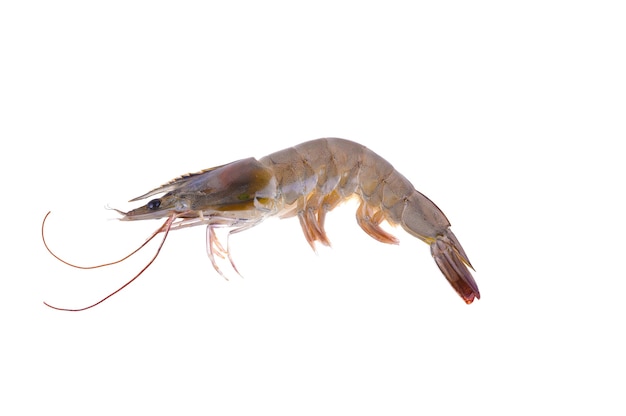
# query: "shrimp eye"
{"type": "Point", "coordinates": [154, 204]}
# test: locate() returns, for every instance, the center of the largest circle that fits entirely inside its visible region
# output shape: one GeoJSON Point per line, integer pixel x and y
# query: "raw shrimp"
{"type": "Point", "coordinates": [307, 181]}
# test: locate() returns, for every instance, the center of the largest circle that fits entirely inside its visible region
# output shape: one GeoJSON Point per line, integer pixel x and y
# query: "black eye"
{"type": "Point", "coordinates": [154, 204]}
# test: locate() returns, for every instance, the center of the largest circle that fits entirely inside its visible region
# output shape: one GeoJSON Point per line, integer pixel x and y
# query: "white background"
{"type": "Point", "coordinates": [510, 117]}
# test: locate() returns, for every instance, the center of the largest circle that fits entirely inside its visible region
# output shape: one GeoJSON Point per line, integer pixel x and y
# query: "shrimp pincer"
{"type": "Point", "coordinates": [306, 181]}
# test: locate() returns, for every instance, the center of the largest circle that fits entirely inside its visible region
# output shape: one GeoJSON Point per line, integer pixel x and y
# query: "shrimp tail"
{"type": "Point", "coordinates": [453, 263]}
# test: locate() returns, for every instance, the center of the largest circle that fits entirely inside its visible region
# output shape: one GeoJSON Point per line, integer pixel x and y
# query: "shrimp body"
{"type": "Point", "coordinates": [308, 181]}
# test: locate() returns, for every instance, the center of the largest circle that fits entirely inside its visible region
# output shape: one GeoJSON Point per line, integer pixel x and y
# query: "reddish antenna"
{"type": "Point", "coordinates": [167, 225]}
